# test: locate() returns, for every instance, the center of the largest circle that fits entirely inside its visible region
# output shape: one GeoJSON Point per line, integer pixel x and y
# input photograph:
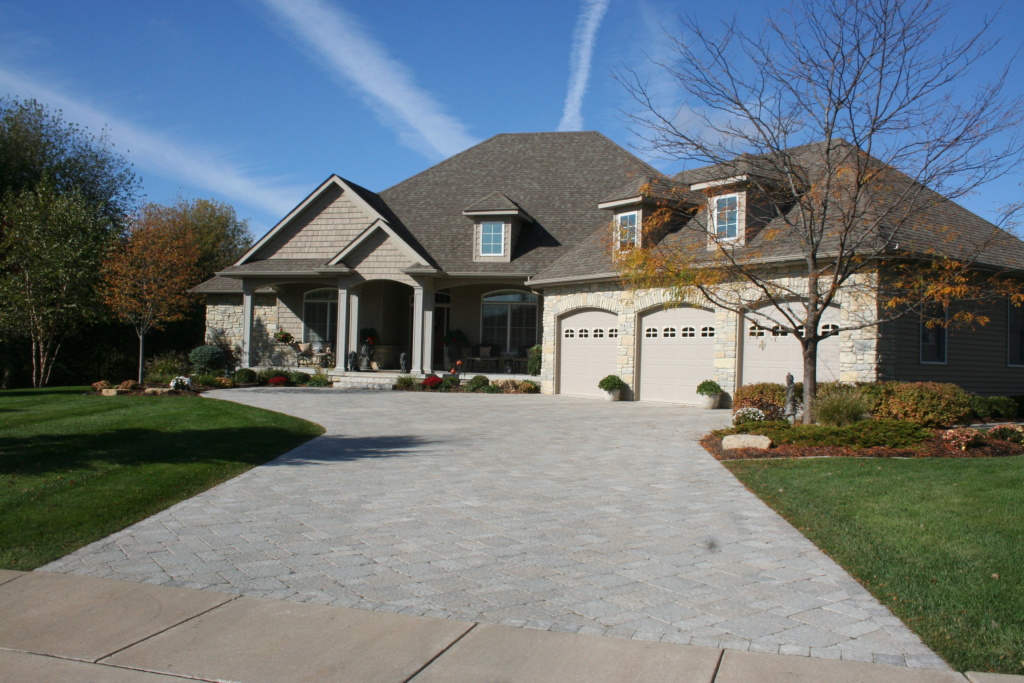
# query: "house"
{"type": "Point", "coordinates": [514, 241]}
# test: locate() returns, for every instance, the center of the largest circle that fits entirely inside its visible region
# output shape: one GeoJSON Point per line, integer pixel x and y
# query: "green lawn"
{"type": "Point", "coordinates": [939, 541]}
{"type": "Point", "coordinates": [75, 467]}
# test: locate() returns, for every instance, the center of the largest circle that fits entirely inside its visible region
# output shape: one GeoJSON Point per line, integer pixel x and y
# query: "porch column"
{"type": "Point", "coordinates": [247, 319]}
{"type": "Point", "coordinates": [428, 331]}
{"type": "Point", "coordinates": [353, 320]}
{"type": "Point", "coordinates": [417, 328]}
{"type": "Point", "coordinates": [341, 345]}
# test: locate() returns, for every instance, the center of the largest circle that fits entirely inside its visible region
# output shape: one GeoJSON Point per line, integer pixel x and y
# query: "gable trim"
{"type": "Point", "coordinates": [378, 224]}
{"type": "Point", "coordinates": [333, 180]}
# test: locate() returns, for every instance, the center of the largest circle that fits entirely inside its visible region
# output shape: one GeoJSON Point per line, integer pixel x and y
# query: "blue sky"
{"type": "Point", "coordinates": [255, 102]}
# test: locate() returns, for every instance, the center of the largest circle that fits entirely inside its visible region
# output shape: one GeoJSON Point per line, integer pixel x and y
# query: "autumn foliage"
{"type": "Point", "coordinates": [146, 280]}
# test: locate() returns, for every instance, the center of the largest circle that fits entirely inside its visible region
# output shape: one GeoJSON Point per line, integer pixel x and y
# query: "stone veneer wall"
{"type": "Point", "coordinates": [224, 325]}
{"type": "Point", "coordinates": [858, 350]}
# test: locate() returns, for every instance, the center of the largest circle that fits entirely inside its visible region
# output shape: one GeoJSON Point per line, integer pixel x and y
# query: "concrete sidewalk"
{"type": "Point", "coordinates": [61, 627]}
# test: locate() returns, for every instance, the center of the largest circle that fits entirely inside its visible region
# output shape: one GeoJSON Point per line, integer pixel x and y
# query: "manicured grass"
{"type": "Point", "coordinates": [939, 541]}
{"type": "Point", "coordinates": [75, 467]}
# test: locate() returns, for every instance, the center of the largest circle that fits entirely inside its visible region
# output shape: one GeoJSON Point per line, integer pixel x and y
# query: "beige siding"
{"type": "Point", "coordinates": [975, 359]}
{"type": "Point", "coordinates": [326, 227]}
{"type": "Point", "coordinates": [378, 258]}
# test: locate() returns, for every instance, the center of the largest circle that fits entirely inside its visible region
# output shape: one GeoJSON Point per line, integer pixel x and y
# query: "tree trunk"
{"type": "Point", "coordinates": [810, 348]}
{"type": "Point", "coordinates": [142, 338]}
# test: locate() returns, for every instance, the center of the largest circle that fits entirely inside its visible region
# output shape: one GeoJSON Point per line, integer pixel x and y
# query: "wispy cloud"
{"type": "Point", "coordinates": [154, 152]}
{"type": "Point", "coordinates": [583, 38]}
{"type": "Point", "coordinates": [349, 51]}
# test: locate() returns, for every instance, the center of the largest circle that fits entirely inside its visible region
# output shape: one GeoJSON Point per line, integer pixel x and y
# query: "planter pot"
{"type": "Point", "coordinates": [710, 402]}
{"type": "Point", "coordinates": [612, 395]}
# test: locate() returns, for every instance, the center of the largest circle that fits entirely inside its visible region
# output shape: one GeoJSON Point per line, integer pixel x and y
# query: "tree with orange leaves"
{"type": "Point", "coordinates": [848, 128]}
{"type": "Point", "coordinates": [146, 280]}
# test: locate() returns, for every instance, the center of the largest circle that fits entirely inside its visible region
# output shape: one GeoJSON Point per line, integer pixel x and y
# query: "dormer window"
{"type": "Point", "coordinates": [492, 238]}
{"type": "Point", "coordinates": [726, 213]}
{"type": "Point", "coordinates": [627, 225]}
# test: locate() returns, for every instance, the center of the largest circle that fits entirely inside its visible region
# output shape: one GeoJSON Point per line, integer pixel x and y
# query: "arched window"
{"type": "Point", "coordinates": [509, 320]}
{"type": "Point", "coordinates": [584, 333]}
{"type": "Point", "coordinates": [651, 332]}
{"type": "Point", "coordinates": [569, 333]}
{"type": "Point", "coordinates": [598, 333]}
{"type": "Point", "coordinates": [707, 332]}
{"type": "Point", "coordinates": [756, 330]}
{"type": "Point", "coordinates": [320, 316]}
{"type": "Point", "coordinates": [829, 330]}
{"type": "Point", "coordinates": [688, 332]}
{"type": "Point", "coordinates": [668, 332]}
{"type": "Point", "coordinates": [613, 332]}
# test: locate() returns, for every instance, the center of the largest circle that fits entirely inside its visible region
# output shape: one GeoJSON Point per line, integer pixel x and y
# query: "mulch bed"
{"type": "Point", "coordinates": [931, 448]}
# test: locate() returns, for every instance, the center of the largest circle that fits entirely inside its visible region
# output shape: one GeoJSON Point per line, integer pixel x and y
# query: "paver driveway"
{"type": "Point", "coordinates": [538, 511]}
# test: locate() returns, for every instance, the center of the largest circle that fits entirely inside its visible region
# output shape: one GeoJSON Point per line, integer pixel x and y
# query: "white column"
{"type": "Point", "coordinates": [353, 321]}
{"type": "Point", "coordinates": [428, 331]}
{"type": "Point", "coordinates": [247, 320]}
{"type": "Point", "coordinates": [341, 345]}
{"type": "Point", "coordinates": [417, 328]}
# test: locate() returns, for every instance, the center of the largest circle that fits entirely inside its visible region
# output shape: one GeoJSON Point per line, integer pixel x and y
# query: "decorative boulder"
{"type": "Point", "coordinates": [745, 441]}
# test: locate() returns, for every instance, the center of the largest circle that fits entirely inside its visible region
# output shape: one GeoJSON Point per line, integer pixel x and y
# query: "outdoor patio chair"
{"type": "Point", "coordinates": [304, 355]}
{"type": "Point", "coordinates": [484, 353]}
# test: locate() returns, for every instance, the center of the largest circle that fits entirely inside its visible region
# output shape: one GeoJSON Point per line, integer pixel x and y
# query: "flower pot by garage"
{"type": "Point", "coordinates": [612, 395]}
{"type": "Point", "coordinates": [710, 402]}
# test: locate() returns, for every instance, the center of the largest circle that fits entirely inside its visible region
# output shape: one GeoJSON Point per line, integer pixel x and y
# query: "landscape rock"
{"type": "Point", "coordinates": [157, 391]}
{"type": "Point", "coordinates": [745, 441]}
{"type": "Point", "coordinates": [111, 392]}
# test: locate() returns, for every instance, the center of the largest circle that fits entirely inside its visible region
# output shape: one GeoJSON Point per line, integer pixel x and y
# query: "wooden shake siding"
{"type": "Point", "coordinates": [976, 359]}
{"type": "Point", "coordinates": [377, 258]}
{"type": "Point", "coordinates": [321, 231]}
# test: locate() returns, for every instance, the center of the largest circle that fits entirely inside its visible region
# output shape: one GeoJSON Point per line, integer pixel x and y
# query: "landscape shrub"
{"type": "Point", "coordinates": [319, 379]}
{"type": "Point", "coordinates": [101, 385]}
{"type": "Point", "coordinates": [534, 357]}
{"type": "Point", "coordinates": [527, 386]}
{"type": "Point", "coordinates": [768, 397]}
{"type": "Point", "coordinates": [224, 382]}
{"type": "Point", "coordinates": [431, 382]}
{"type": "Point", "coordinates": [279, 381]}
{"type": "Point", "coordinates": [299, 379]}
{"type": "Point", "coordinates": [491, 389]}
{"type": "Point", "coordinates": [405, 383]}
{"type": "Point", "coordinates": [929, 404]}
{"type": "Point", "coordinates": [1012, 433]}
{"type": "Point", "coordinates": [162, 368]}
{"type": "Point", "coordinates": [129, 385]}
{"type": "Point", "coordinates": [963, 438]}
{"type": "Point", "coordinates": [181, 384]}
{"type": "Point", "coordinates": [477, 382]}
{"type": "Point", "coordinates": [207, 379]}
{"type": "Point", "coordinates": [610, 383]}
{"type": "Point", "coordinates": [450, 383]}
{"type": "Point", "coordinates": [999, 407]}
{"type": "Point", "coordinates": [245, 376]}
{"type": "Point", "coordinates": [507, 386]}
{"type": "Point", "coordinates": [207, 358]}
{"type": "Point", "coordinates": [873, 393]}
{"type": "Point", "coordinates": [747, 415]}
{"type": "Point", "coordinates": [838, 405]}
{"type": "Point", "coordinates": [890, 433]}
{"type": "Point", "coordinates": [263, 377]}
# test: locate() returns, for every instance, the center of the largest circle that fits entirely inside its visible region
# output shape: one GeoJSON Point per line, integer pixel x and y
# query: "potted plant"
{"type": "Point", "coordinates": [612, 386]}
{"type": "Point", "coordinates": [283, 337]}
{"type": "Point", "coordinates": [711, 392]}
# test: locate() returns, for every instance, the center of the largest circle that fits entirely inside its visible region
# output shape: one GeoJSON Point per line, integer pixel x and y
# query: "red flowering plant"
{"type": "Point", "coordinates": [431, 382]}
{"type": "Point", "coordinates": [278, 381]}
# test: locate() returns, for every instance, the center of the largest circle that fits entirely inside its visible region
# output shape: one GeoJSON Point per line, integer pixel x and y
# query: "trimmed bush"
{"type": "Point", "coordinates": [207, 379]}
{"type": "Point", "coordinates": [431, 382]}
{"type": "Point", "coordinates": [477, 383]}
{"type": "Point", "coordinates": [611, 383]}
{"type": "Point", "coordinates": [319, 379]}
{"type": "Point", "coordinates": [278, 381]}
{"type": "Point", "coordinates": [245, 376]}
{"type": "Point", "coordinates": [491, 389]}
{"type": "Point", "coordinates": [527, 386]}
{"type": "Point", "coordinates": [101, 385]}
{"type": "Point", "coordinates": [1011, 433]}
{"type": "Point", "coordinates": [264, 376]}
{"type": "Point", "coordinates": [747, 415]}
{"type": "Point", "coordinates": [207, 358]}
{"type": "Point", "coordinates": [989, 407]}
{"type": "Point", "coordinates": [838, 405]}
{"type": "Point", "coordinates": [929, 404]}
{"type": "Point", "coordinates": [865, 434]}
{"type": "Point", "coordinates": [405, 383]}
{"type": "Point", "coordinates": [450, 383]}
{"type": "Point", "coordinates": [533, 360]}
{"type": "Point", "coordinates": [129, 385]}
{"type": "Point", "coordinates": [299, 379]}
{"type": "Point", "coordinates": [768, 397]}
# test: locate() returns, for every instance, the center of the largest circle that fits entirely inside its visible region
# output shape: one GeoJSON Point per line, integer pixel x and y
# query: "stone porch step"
{"type": "Point", "coordinates": [363, 381]}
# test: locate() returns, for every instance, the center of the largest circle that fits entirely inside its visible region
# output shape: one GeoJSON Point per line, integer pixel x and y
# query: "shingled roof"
{"type": "Point", "coordinates": [556, 178]}
{"type": "Point", "coordinates": [929, 225]}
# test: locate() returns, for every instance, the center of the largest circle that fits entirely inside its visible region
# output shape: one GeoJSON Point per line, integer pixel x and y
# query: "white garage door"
{"type": "Point", "coordinates": [588, 345]}
{"type": "Point", "coordinates": [768, 354]}
{"type": "Point", "coordinates": [677, 352]}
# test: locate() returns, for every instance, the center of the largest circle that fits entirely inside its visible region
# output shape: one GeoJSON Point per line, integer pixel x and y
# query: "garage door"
{"type": "Point", "coordinates": [677, 352]}
{"type": "Point", "coordinates": [769, 353]}
{"type": "Point", "coordinates": [588, 345]}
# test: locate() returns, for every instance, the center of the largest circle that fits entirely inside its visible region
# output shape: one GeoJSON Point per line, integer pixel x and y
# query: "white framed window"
{"type": "Point", "coordinates": [651, 332]}
{"type": "Point", "coordinates": [668, 332]}
{"type": "Point", "coordinates": [1015, 334]}
{"type": "Point", "coordinates": [725, 212]}
{"type": "Point", "coordinates": [779, 331]}
{"type": "Point", "coordinates": [626, 228]}
{"type": "Point", "coordinates": [320, 316]}
{"type": "Point", "coordinates": [688, 332]}
{"type": "Point", "coordinates": [707, 332]}
{"type": "Point", "coordinates": [756, 330]}
{"type": "Point", "coordinates": [492, 238]}
{"type": "Point", "coordinates": [829, 330]}
{"type": "Point", "coordinates": [613, 332]}
{"type": "Point", "coordinates": [598, 333]}
{"type": "Point", "coordinates": [933, 338]}
{"type": "Point", "coordinates": [508, 320]}
{"type": "Point", "coordinates": [584, 333]}
{"type": "Point", "coordinates": [569, 333]}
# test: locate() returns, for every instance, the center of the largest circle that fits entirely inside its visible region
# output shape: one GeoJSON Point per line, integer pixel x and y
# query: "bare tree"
{"type": "Point", "coordinates": [845, 124]}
